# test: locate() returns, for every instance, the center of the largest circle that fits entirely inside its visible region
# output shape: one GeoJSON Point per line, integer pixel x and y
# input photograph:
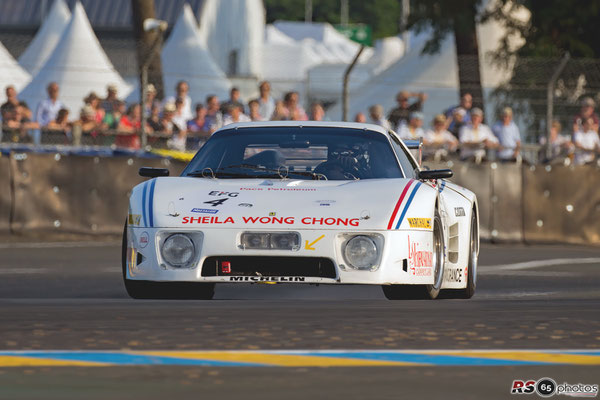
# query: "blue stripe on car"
{"type": "Point", "coordinates": [151, 203]}
{"type": "Point", "coordinates": [410, 199]}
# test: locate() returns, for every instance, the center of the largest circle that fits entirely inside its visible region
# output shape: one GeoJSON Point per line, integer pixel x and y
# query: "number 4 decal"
{"type": "Point", "coordinates": [217, 202]}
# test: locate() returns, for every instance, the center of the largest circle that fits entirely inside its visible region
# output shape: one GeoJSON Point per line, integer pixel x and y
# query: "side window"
{"type": "Point", "coordinates": [408, 165]}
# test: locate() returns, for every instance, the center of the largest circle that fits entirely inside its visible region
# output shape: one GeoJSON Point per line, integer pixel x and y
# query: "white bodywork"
{"type": "Point", "coordinates": [324, 213]}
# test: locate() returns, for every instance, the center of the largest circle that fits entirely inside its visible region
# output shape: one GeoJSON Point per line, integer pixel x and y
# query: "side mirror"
{"type": "Point", "coordinates": [153, 172]}
{"type": "Point", "coordinates": [435, 174]}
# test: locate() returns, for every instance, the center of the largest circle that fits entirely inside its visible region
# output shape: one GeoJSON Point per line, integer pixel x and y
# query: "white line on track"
{"type": "Point", "coordinates": [539, 264]}
{"type": "Point", "coordinates": [51, 245]}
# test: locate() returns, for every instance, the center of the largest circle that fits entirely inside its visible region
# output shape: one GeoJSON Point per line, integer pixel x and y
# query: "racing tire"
{"type": "Point", "coordinates": [471, 277]}
{"type": "Point", "coordinates": [424, 292]}
{"type": "Point", "coordinates": [162, 290]}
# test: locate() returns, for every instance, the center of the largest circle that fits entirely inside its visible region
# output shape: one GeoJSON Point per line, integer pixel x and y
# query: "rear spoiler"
{"type": "Point", "coordinates": [417, 147]}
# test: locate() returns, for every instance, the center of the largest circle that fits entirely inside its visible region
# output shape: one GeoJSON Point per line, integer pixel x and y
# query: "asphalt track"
{"type": "Point", "coordinates": [70, 297]}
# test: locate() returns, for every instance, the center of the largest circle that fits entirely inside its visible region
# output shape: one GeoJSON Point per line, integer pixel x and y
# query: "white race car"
{"type": "Point", "coordinates": [301, 202]}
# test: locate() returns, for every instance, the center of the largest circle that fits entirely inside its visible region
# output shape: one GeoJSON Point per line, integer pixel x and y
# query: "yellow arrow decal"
{"type": "Point", "coordinates": [309, 246]}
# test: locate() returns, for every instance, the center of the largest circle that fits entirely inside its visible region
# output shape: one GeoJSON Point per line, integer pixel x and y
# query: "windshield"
{"type": "Point", "coordinates": [313, 153]}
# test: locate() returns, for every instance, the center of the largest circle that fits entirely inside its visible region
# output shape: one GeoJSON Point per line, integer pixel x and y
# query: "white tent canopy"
{"type": "Point", "coordinates": [233, 31]}
{"type": "Point", "coordinates": [11, 73]}
{"type": "Point", "coordinates": [46, 38]}
{"type": "Point", "coordinates": [436, 75]}
{"type": "Point", "coordinates": [78, 64]}
{"type": "Point", "coordinates": [184, 57]}
{"type": "Point", "coordinates": [332, 45]}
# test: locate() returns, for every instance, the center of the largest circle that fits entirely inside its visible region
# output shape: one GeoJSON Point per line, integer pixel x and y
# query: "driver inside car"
{"type": "Point", "coordinates": [345, 161]}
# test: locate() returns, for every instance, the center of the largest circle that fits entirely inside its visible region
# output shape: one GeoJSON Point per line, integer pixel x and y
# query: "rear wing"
{"type": "Point", "coordinates": [416, 148]}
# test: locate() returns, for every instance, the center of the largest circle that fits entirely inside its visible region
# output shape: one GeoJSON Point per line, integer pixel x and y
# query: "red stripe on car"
{"type": "Point", "coordinates": [391, 223]}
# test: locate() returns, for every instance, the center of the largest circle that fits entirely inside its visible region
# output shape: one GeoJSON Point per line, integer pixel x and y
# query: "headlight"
{"type": "Point", "coordinates": [178, 250]}
{"type": "Point", "coordinates": [361, 252]}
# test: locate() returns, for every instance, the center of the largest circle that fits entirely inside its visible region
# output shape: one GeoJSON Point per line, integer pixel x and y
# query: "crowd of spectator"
{"type": "Point", "coordinates": [460, 129]}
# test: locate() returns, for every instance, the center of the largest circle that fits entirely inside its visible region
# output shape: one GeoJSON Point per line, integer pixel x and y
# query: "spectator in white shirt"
{"type": "Point", "coordinates": [213, 119]}
{"type": "Point", "coordinates": [439, 138]}
{"type": "Point", "coordinates": [475, 138]}
{"type": "Point", "coordinates": [179, 118]}
{"type": "Point", "coordinates": [181, 92]}
{"type": "Point", "coordinates": [235, 114]}
{"type": "Point", "coordinates": [414, 130]}
{"type": "Point", "coordinates": [377, 118]}
{"type": "Point", "coordinates": [265, 101]}
{"type": "Point", "coordinates": [47, 110]}
{"type": "Point", "coordinates": [587, 143]}
{"type": "Point", "coordinates": [508, 135]}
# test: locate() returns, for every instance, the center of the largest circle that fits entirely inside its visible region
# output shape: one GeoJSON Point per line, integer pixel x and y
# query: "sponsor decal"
{"type": "Point", "coordinates": [132, 261]}
{"type": "Point", "coordinates": [144, 239]}
{"type": "Point", "coordinates": [267, 278]}
{"type": "Point", "coordinates": [459, 211]}
{"type": "Point", "coordinates": [272, 214]}
{"type": "Point", "coordinates": [172, 212]}
{"type": "Point", "coordinates": [206, 220]}
{"type": "Point", "coordinates": [309, 246]}
{"type": "Point", "coordinates": [424, 223]}
{"type": "Point", "coordinates": [325, 203]}
{"type": "Point", "coordinates": [272, 220]}
{"type": "Point", "coordinates": [454, 274]}
{"type": "Point", "coordinates": [134, 219]}
{"type": "Point", "coordinates": [218, 193]}
{"type": "Point", "coordinates": [205, 210]}
{"type": "Point", "coordinates": [245, 205]}
{"type": "Point", "coordinates": [547, 387]}
{"type": "Point", "coordinates": [420, 262]}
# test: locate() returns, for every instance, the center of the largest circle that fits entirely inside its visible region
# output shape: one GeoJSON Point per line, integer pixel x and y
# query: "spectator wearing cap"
{"type": "Point", "coordinates": [377, 118]}
{"type": "Point", "coordinates": [254, 110]}
{"type": "Point", "coordinates": [456, 121]}
{"type": "Point", "coordinates": [587, 143]}
{"type": "Point", "coordinates": [560, 145]}
{"type": "Point", "coordinates": [178, 138]}
{"type": "Point", "coordinates": [214, 117]}
{"type": "Point", "coordinates": [181, 92]}
{"type": "Point", "coordinates": [47, 109]}
{"type": "Point", "coordinates": [508, 135]}
{"type": "Point", "coordinates": [235, 114]}
{"type": "Point", "coordinates": [401, 114]}
{"type": "Point", "coordinates": [476, 138]}
{"type": "Point", "coordinates": [151, 100]}
{"type": "Point", "coordinates": [438, 137]}
{"type": "Point", "coordinates": [130, 127]}
{"type": "Point", "coordinates": [111, 101]}
{"type": "Point", "coordinates": [414, 129]}
{"type": "Point", "coordinates": [265, 101]}
{"type": "Point", "coordinates": [234, 99]}
{"type": "Point", "coordinates": [360, 117]}
{"type": "Point", "coordinates": [588, 106]}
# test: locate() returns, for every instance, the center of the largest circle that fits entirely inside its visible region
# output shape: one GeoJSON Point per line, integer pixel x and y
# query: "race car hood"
{"type": "Point", "coordinates": [259, 204]}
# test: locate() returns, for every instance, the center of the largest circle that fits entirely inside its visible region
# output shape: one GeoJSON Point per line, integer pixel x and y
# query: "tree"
{"type": "Point", "coordinates": [458, 17]}
{"type": "Point", "coordinates": [382, 15]}
{"type": "Point", "coordinates": [143, 9]}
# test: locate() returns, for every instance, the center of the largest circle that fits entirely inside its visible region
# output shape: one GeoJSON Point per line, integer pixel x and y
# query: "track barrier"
{"type": "Point", "coordinates": [87, 193]}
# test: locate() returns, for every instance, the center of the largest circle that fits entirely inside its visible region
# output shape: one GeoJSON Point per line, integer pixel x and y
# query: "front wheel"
{"type": "Point", "coordinates": [421, 292]}
{"type": "Point", "coordinates": [163, 290]}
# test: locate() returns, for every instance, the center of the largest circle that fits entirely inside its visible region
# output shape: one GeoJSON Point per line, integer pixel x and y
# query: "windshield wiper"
{"type": "Point", "coordinates": [264, 172]}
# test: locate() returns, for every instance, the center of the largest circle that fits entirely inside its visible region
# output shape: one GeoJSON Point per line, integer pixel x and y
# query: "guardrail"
{"type": "Point", "coordinates": [69, 193]}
